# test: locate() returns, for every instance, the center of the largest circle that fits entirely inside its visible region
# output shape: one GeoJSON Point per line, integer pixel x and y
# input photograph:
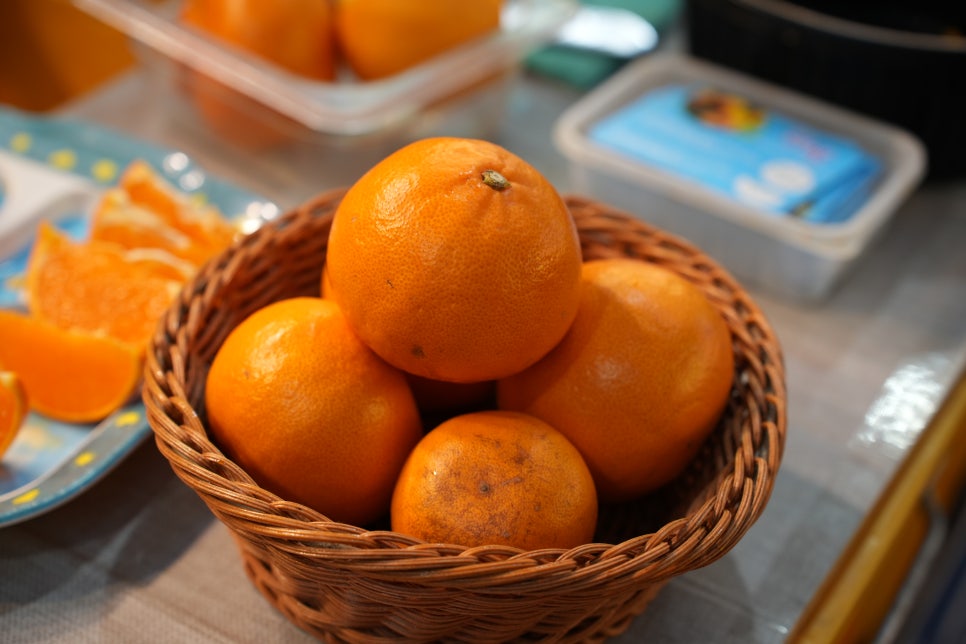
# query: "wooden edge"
{"type": "Point", "coordinates": [855, 599]}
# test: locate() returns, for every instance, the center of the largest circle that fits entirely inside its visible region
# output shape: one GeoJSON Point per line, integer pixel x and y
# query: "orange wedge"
{"type": "Point", "coordinates": [99, 287]}
{"type": "Point", "coordinates": [13, 407]}
{"type": "Point", "coordinates": [204, 224]}
{"type": "Point", "coordinates": [118, 220]}
{"type": "Point", "coordinates": [68, 375]}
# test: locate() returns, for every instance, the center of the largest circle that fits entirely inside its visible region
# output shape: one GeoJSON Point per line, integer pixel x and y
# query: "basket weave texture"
{"type": "Point", "coordinates": [346, 583]}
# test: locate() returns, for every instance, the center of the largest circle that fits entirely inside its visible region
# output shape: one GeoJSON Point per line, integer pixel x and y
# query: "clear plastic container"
{"type": "Point", "coordinates": [269, 105]}
{"type": "Point", "coordinates": [783, 255]}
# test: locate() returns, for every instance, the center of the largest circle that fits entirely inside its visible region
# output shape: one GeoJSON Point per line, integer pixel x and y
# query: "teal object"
{"type": "Point", "coordinates": [585, 68]}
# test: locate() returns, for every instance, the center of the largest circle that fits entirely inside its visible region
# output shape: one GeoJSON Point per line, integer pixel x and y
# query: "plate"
{"type": "Point", "coordinates": [55, 169]}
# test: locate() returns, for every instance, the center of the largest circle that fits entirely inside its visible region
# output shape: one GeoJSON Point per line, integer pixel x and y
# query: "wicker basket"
{"type": "Point", "coordinates": [347, 583]}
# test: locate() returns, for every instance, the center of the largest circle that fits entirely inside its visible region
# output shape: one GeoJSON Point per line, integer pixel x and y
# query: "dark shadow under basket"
{"type": "Point", "coordinates": [346, 583]}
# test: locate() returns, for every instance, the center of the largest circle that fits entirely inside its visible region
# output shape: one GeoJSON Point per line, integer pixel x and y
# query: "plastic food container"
{"type": "Point", "coordinates": [784, 255]}
{"type": "Point", "coordinates": [894, 61]}
{"type": "Point", "coordinates": [270, 106]}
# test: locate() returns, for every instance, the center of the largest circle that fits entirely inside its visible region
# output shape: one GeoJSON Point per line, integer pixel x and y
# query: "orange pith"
{"type": "Point", "coordinates": [119, 221]}
{"type": "Point", "coordinates": [454, 259]}
{"type": "Point", "coordinates": [204, 225]}
{"type": "Point", "coordinates": [640, 379]}
{"type": "Point", "coordinates": [68, 375]}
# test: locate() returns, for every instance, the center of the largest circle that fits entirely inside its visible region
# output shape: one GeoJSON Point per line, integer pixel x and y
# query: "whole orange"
{"type": "Point", "coordinates": [639, 381]}
{"type": "Point", "coordinates": [309, 412]}
{"type": "Point", "coordinates": [454, 259]}
{"type": "Point", "coordinates": [496, 477]}
{"type": "Point", "coordinates": [296, 35]}
{"type": "Point", "coordinates": [379, 38]}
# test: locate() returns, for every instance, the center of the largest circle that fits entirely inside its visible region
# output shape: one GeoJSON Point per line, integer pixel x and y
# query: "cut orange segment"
{"type": "Point", "coordinates": [68, 375]}
{"type": "Point", "coordinates": [98, 287]}
{"type": "Point", "coordinates": [117, 219]}
{"type": "Point", "coordinates": [13, 408]}
{"type": "Point", "coordinates": [202, 223]}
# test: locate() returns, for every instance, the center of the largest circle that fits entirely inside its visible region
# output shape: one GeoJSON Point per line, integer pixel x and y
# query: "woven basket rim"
{"type": "Point", "coordinates": [701, 536]}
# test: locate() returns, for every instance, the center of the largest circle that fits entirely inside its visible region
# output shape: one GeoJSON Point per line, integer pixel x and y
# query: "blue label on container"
{"type": "Point", "coordinates": [757, 157]}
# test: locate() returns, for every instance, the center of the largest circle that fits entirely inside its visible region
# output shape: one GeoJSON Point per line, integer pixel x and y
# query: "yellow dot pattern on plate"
{"type": "Point", "coordinates": [21, 142]}
{"type": "Point", "coordinates": [84, 458]}
{"type": "Point", "coordinates": [26, 497]}
{"type": "Point", "coordinates": [63, 159]}
{"type": "Point", "coordinates": [104, 170]}
{"type": "Point", "coordinates": [127, 418]}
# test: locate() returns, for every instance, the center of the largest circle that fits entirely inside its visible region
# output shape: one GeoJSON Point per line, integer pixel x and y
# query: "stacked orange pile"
{"type": "Point", "coordinates": [465, 372]}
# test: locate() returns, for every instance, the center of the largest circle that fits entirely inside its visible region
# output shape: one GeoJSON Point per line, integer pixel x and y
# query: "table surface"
{"type": "Point", "coordinates": [138, 557]}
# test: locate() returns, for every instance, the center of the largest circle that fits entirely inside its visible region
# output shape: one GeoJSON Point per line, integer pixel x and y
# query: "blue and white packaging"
{"type": "Point", "coordinates": [758, 157]}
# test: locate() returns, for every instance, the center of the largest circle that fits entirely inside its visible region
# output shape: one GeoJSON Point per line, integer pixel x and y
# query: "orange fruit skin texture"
{"type": "Point", "coordinates": [13, 408]}
{"type": "Point", "coordinates": [639, 381]}
{"type": "Point", "coordinates": [309, 412]}
{"type": "Point", "coordinates": [96, 287]}
{"type": "Point", "coordinates": [69, 376]}
{"type": "Point", "coordinates": [496, 478]}
{"type": "Point", "coordinates": [380, 38]}
{"type": "Point", "coordinates": [446, 277]}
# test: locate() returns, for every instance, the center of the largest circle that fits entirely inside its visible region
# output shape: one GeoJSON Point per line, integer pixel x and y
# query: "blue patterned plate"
{"type": "Point", "coordinates": [54, 169]}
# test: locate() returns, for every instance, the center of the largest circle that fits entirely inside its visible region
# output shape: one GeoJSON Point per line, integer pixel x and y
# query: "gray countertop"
{"type": "Point", "coordinates": [139, 558]}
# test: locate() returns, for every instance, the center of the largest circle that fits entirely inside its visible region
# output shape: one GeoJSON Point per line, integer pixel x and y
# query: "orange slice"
{"type": "Point", "coordinates": [202, 223]}
{"type": "Point", "coordinates": [13, 407]}
{"type": "Point", "coordinates": [116, 219]}
{"type": "Point", "coordinates": [98, 287]}
{"type": "Point", "coordinates": [68, 375]}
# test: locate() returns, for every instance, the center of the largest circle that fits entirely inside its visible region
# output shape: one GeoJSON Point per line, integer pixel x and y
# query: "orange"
{"type": "Point", "coordinates": [456, 260]}
{"type": "Point", "coordinates": [204, 224]}
{"type": "Point", "coordinates": [98, 287]}
{"type": "Point", "coordinates": [68, 375]}
{"type": "Point", "coordinates": [639, 381]}
{"type": "Point", "coordinates": [296, 35]}
{"type": "Point", "coordinates": [380, 38]}
{"type": "Point", "coordinates": [496, 477]}
{"type": "Point", "coordinates": [13, 408]}
{"type": "Point", "coordinates": [309, 412]}
{"type": "Point", "coordinates": [435, 397]}
{"type": "Point", "coordinates": [116, 219]}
